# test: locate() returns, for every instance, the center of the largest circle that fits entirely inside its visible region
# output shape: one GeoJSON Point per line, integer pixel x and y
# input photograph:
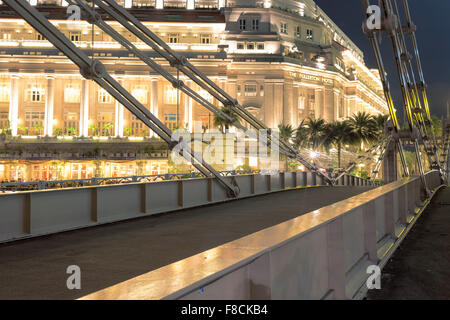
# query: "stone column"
{"type": "Point", "coordinates": [318, 101]}
{"type": "Point", "coordinates": [84, 108]}
{"type": "Point", "coordinates": [328, 105]}
{"type": "Point", "coordinates": [14, 104]}
{"type": "Point", "coordinates": [278, 104]}
{"type": "Point", "coordinates": [154, 101]}
{"type": "Point", "coordinates": [268, 100]}
{"type": "Point", "coordinates": [287, 104]}
{"type": "Point", "coordinates": [337, 103]}
{"type": "Point", "coordinates": [352, 105]}
{"type": "Point", "coordinates": [347, 112]}
{"type": "Point", "coordinates": [295, 107]}
{"type": "Point", "coordinates": [118, 125]}
{"type": "Point", "coordinates": [49, 105]}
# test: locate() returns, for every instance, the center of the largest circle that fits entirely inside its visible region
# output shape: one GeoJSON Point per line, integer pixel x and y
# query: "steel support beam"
{"type": "Point", "coordinates": [94, 70]}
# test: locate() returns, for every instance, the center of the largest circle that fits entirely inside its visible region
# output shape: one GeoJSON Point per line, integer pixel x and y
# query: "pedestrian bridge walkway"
{"type": "Point", "coordinates": [110, 254]}
{"type": "Point", "coordinates": [289, 243]}
{"type": "Point", "coordinates": [420, 268]}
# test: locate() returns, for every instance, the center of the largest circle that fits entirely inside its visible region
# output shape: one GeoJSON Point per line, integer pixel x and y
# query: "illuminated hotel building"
{"type": "Point", "coordinates": [283, 60]}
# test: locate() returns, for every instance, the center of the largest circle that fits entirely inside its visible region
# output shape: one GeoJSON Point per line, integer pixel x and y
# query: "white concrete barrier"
{"type": "Point", "coordinates": [320, 255]}
{"type": "Point", "coordinates": [36, 213]}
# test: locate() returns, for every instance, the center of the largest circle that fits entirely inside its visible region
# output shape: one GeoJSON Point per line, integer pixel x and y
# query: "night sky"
{"type": "Point", "coordinates": [432, 18]}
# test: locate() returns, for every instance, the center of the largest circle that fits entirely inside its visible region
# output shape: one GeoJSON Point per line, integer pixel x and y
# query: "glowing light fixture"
{"type": "Point", "coordinates": [314, 155]}
{"type": "Point", "coordinates": [128, 4]}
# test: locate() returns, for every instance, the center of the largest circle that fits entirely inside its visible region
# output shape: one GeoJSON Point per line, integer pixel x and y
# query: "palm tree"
{"type": "Point", "coordinates": [72, 131]}
{"type": "Point", "coordinates": [128, 131]}
{"type": "Point", "coordinates": [108, 126]}
{"type": "Point", "coordinates": [38, 129]}
{"type": "Point", "coordinates": [223, 124]}
{"type": "Point", "coordinates": [436, 125]}
{"type": "Point", "coordinates": [315, 130]}
{"type": "Point", "coordinates": [364, 127]}
{"type": "Point", "coordinates": [286, 134]}
{"type": "Point", "coordinates": [301, 137]}
{"type": "Point", "coordinates": [380, 120]}
{"type": "Point", "coordinates": [94, 129]}
{"type": "Point", "coordinates": [340, 133]}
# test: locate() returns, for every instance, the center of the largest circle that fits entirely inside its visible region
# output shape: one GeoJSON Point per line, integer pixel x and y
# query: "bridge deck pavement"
{"type": "Point", "coordinates": [109, 254]}
{"type": "Point", "coordinates": [420, 268]}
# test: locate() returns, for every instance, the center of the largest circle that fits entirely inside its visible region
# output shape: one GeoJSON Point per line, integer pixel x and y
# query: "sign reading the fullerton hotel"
{"type": "Point", "coordinates": [309, 77]}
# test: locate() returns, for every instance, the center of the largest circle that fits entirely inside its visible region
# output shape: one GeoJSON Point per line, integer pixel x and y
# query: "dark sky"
{"type": "Point", "coordinates": [432, 18]}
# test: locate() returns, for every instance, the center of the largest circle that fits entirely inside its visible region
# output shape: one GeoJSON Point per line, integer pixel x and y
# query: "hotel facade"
{"type": "Point", "coordinates": [285, 61]}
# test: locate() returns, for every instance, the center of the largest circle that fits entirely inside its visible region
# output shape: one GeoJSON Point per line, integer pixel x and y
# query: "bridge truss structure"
{"type": "Point", "coordinates": [413, 91]}
{"type": "Point", "coordinates": [396, 21]}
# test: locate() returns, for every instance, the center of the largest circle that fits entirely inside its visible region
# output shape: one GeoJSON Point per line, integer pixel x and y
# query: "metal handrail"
{"type": "Point", "coordinates": [51, 184]}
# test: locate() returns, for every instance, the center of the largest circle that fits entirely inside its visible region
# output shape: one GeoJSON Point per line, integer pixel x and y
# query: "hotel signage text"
{"type": "Point", "coordinates": [308, 77]}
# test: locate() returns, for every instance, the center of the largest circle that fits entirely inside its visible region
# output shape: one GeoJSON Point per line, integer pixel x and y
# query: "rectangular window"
{"type": "Point", "coordinates": [72, 93]}
{"type": "Point", "coordinates": [251, 90]}
{"type": "Point", "coordinates": [250, 46]}
{"type": "Point", "coordinates": [71, 123]}
{"type": "Point", "coordinates": [6, 36]}
{"type": "Point", "coordinates": [104, 96]}
{"type": "Point", "coordinates": [140, 92]}
{"type": "Point", "coordinates": [312, 104]}
{"type": "Point", "coordinates": [170, 120]}
{"type": "Point", "coordinates": [255, 24]}
{"type": "Point", "coordinates": [205, 38]}
{"type": "Point", "coordinates": [260, 46]}
{"type": "Point", "coordinates": [75, 36]}
{"type": "Point", "coordinates": [283, 27]}
{"type": "Point", "coordinates": [340, 64]}
{"type": "Point", "coordinates": [298, 33]}
{"type": "Point", "coordinates": [242, 24]}
{"type": "Point", "coordinates": [301, 102]}
{"type": "Point", "coordinates": [309, 34]}
{"type": "Point", "coordinates": [4, 92]}
{"type": "Point", "coordinates": [174, 38]}
{"type": "Point", "coordinates": [4, 123]}
{"type": "Point", "coordinates": [341, 107]}
{"type": "Point", "coordinates": [36, 93]}
{"type": "Point", "coordinates": [137, 127]}
{"type": "Point", "coordinates": [171, 95]}
{"type": "Point", "coordinates": [240, 46]}
{"type": "Point", "coordinates": [105, 123]}
{"type": "Point", "coordinates": [34, 122]}
{"type": "Point", "coordinates": [206, 95]}
{"type": "Point", "coordinates": [40, 37]}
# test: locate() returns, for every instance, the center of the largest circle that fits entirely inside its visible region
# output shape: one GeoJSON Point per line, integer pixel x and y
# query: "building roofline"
{"type": "Point", "coordinates": [143, 14]}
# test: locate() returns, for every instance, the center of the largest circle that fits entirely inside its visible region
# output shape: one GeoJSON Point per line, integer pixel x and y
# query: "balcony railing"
{"type": "Point", "coordinates": [194, 47]}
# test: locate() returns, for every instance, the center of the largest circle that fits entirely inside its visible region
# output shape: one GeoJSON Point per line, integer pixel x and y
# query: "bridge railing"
{"type": "Point", "coordinates": [34, 213]}
{"type": "Point", "coordinates": [58, 184]}
{"type": "Point", "coordinates": [324, 254]}
{"type": "Point", "coordinates": [75, 183]}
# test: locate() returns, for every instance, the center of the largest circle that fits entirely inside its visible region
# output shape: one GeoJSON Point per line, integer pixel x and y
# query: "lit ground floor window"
{"type": "Point", "coordinates": [22, 171]}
